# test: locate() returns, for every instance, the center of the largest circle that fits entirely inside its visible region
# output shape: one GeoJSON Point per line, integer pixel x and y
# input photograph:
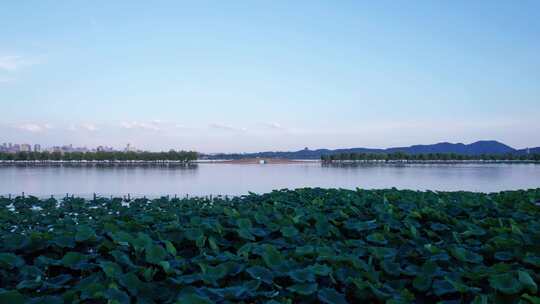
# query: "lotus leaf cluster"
{"type": "Point", "coordinates": [307, 245]}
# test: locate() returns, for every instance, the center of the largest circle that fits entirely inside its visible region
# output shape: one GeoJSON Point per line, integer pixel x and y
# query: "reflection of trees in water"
{"type": "Point", "coordinates": [359, 164]}
{"type": "Point", "coordinates": [172, 166]}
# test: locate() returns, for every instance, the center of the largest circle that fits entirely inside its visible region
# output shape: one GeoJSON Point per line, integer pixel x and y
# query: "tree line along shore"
{"type": "Point", "coordinates": [192, 156]}
{"type": "Point", "coordinates": [100, 156]}
{"type": "Point", "coordinates": [399, 156]}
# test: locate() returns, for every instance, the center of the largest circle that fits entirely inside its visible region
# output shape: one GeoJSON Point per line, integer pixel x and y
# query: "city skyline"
{"type": "Point", "coordinates": [36, 147]}
{"type": "Point", "coordinates": [243, 77]}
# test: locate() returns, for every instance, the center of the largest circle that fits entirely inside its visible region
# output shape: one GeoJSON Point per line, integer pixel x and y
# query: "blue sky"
{"type": "Point", "coordinates": [269, 75]}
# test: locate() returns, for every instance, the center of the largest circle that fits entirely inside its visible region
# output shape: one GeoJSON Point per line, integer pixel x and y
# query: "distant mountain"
{"type": "Point", "coordinates": [476, 148]}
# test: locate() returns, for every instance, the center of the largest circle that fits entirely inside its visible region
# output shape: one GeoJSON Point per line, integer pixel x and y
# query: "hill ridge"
{"type": "Point", "coordinates": [475, 148]}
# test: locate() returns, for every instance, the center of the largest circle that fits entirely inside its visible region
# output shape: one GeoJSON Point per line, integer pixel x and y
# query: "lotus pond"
{"type": "Point", "coordinates": [288, 246]}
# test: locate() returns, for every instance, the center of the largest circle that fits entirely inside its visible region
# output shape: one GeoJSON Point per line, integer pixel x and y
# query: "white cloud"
{"type": "Point", "coordinates": [13, 63]}
{"type": "Point", "coordinates": [274, 125]}
{"type": "Point", "coordinates": [84, 126]}
{"type": "Point", "coordinates": [33, 127]}
{"type": "Point", "coordinates": [154, 125]}
{"type": "Point", "coordinates": [226, 127]}
{"type": "Point", "coordinates": [89, 127]}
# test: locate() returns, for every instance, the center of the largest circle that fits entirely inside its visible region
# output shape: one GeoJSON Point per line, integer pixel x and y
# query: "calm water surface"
{"type": "Point", "coordinates": [234, 179]}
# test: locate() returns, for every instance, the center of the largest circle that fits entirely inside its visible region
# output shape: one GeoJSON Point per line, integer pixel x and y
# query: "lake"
{"type": "Point", "coordinates": [234, 179]}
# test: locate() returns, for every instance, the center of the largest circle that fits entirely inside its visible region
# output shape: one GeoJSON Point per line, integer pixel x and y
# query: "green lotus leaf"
{"type": "Point", "coordinates": [30, 284]}
{"type": "Point", "coordinates": [57, 282]}
{"type": "Point", "coordinates": [244, 223]}
{"type": "Point", "coordinates": [155, 254]}
{"type": "Point", "coordinates": [361, 226]}
{"type": "Point", "coordinates": [131, 282]}
{"type": "Point", "coordinates": [272, 257]}
{"type": "Point", "coordinates": [382, 253]}
{"type": "Point", "coordinates": [122, 238]}
{"type": "Point", "coordinates": [442, 287]}
{"type": "Point", "coordinates": [531, 299]}
{"type": "Point", "coordinates": [117, 296]}
{"type": "Point", "coordinates": [295, 246]}
{"type": "Point", "coordinates": [429, 268]}
{"type": "Point", "coordinates": [213, 244]}
{"type": "Point", "coordinates": [259, 232]}
{"type": "Point", "coordinates": [193, 234]}
{"type": "Point", "coordinates": [192, 298]}
{"type": "Point", "coordinates": [303, 288]}
{"type": "Point", "coordinates": [527, 281]}
{"type": "Point", "coordinates": [480, 299]}
{"type": "Point", "coordinates": [532, 260]}
{"type": "Point", "coordinates": [474, 230]}
{"type": "Point", "coordinates": [84, 233]}
{"type": "Point", "coordinates": [377, 238]}
{"type": "Point", "coordinates": [460, 286]}
{"type": "Point", "coordinates": [411, 270]}
{"type": "Point", "coordinates": [10, 261]}
{"type": "Point", "coordinates": [465, 255]}
{"type": "Point", "coordinates": [505, 283]}
{"type": "Point", "coordinates": [93, 291]}
{"type": "Point", "coordinates": [166, 266]}
{"type": "Point", "coordinates": [12, 297]}
{"type": "Point", "coordinates": [245, 250]}
{"type": "Point", "coordinates": [439, 227]}
{"type": "Point", "coordinates": [304, 250]}
{"type": "Point", "coordinates": [122, 258]}
{"type": "Point", "coordinates": [322, 226]}
{"type": "Point", "coordinates": [504, 256]}
{"type": "Point", "coordinates": [111, 269]}
{"type": "Point", "coordinates": [187, 279]}
{"type": "Point", "coordinates": [261, 218]}
{"type": "Point", "coordinates": [260, 273]}
{"type": "Point", "coordinates": [170, 248]}
{"type": "Point", "coordinates": [229, 293]}
{"type": "Point", "coordinates": [392, 268]}
{"type": "Point", "coordinates": [213, 273]}
{"type": "Point", "coordinates": [63, 241]}
{"type": "Point", "coordinates": [245, 234]}
{"type": "Point", "coordinates": [422, 283]}
{"type": "Point", "coordinates": [289, 231]}
{"type": "Point", "coordinates": [148, 273]}
{"type": "Point", "coordinates": [302, 275]}
{"type": "Point", "coordinates": [380, 292]}
{"type": "Point", "coordinates": [73, 259]}
{"type": "Point", "coordinates": [47, 300]}
{"type": "Point", "coordinates": [330, 296]}
{"type": "Point", "coordinates": [320, 270]}
{"type": "Point", "coordinates": [141, 241]}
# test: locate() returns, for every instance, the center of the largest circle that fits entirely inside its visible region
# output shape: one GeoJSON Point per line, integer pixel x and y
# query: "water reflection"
{"type": "Point", "coordinates": [231, 179]}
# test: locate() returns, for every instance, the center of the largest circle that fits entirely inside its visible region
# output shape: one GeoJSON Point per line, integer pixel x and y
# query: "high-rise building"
{"type": "Point", "coordinates": [37, 148]}
{"type": "Point", "coordinates": [25, 148]}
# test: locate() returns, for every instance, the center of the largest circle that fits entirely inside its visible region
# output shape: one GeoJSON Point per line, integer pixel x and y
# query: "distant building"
{"type": "Point", "coordinates": [56, 149]}
{"type": "Point", "coordinates": [25, 148]}
{"type": "Point", "coordinates": [37, 148]}
{"type": "Point", "coordinates": [104, 149]}
{"type": "Point", "coordinates": [129, 148]}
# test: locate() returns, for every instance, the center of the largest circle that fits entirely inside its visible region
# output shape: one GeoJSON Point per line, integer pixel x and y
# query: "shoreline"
{"type": "Point", "coordinates": [262, 161]}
